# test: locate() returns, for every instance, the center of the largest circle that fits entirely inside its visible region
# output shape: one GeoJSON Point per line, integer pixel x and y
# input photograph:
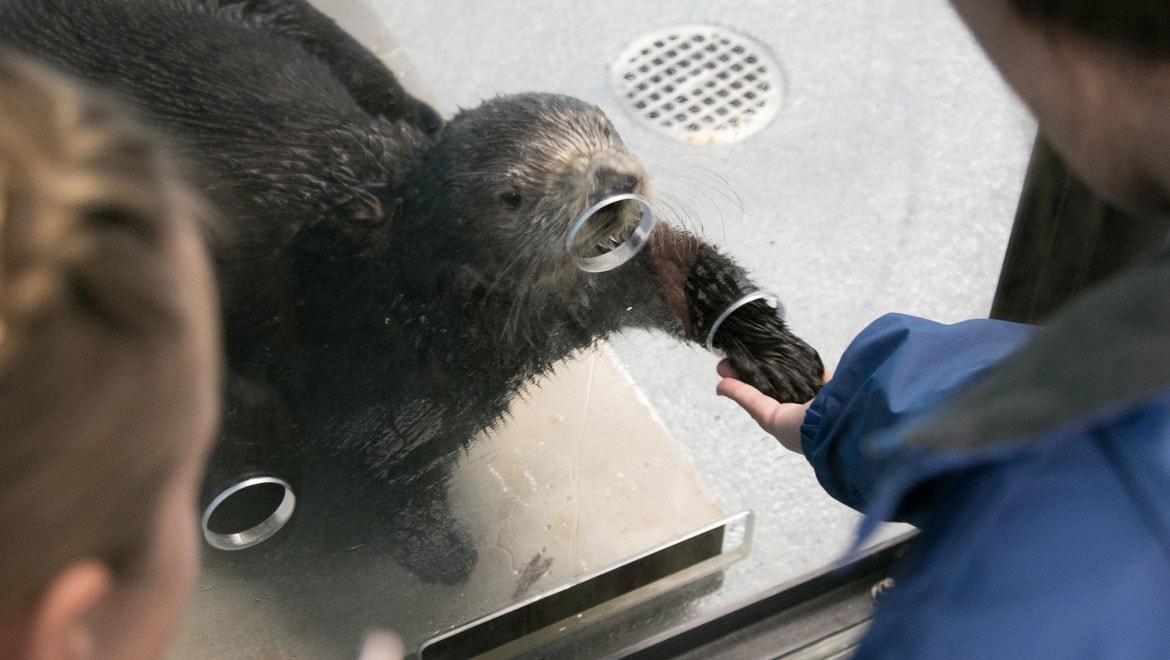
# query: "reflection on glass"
{"type": "Point", "coordinates": [413, 311]}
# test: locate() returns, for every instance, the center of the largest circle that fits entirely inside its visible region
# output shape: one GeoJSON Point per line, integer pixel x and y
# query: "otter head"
{"type": "Point", "coordinates": [504, 183]}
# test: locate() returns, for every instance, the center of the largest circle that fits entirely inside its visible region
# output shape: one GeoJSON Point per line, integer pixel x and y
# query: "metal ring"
{"type": "Point", "coordinates": [622, 253]}
{"type": "Point", "coordinates": [771, 298]}
{"type": "Point", "coordinates": [259, 533]}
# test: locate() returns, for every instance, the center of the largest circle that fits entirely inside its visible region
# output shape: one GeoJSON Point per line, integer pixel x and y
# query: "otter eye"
{"type": "Point", "coordinates": [511, 199]}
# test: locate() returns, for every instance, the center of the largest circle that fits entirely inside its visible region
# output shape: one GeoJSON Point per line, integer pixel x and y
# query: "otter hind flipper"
{"type": "Point", "coordinates": [371, 84]}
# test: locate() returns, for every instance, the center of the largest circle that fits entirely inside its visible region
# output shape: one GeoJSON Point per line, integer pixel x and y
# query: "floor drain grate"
{"type": "Point", "coordinates": [700, 84]}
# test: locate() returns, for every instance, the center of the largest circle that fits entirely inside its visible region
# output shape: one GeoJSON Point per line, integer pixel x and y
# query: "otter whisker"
{"type": "Point", "coordinates": [519, 305]}
{"type": "Point", "coordinates": [675, 160]}
{"type": "Point", "coordinates": [505, 272]}
{"type": "Point", "coordinates": [691, 213]}
{"type": "Point", "coordinates": [679, 213]}
{"type": "Point", "coordinates": [702, 184]}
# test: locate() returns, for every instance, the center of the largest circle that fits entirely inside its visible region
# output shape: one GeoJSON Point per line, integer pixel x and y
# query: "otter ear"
{"type": "Point", "coordinates": [358, 224]}
{"type": "Point", "coordinates": [381, 228]}
{"type": "Point", "coordinates": [360, 207]}
{"type": "Point", "coordinates": [61, 623]}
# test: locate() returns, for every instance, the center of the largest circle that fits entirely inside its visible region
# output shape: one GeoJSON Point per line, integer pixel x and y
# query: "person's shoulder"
{"type": "Point", "coordinates": [1059, 547]}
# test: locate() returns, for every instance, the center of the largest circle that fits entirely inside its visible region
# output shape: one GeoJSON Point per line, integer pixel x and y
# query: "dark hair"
{"type": "Point", "coordinates": [1138, 25]}
{"type": "Point", "coordinates": [89, 318]}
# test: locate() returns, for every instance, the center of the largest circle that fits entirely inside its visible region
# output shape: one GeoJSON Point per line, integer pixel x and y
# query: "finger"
{"type": "Point", "coordinates": [382, 645]}
{"type": "Point", "coordinates": [725, 369]}
{"type": "Point", "coordinates": [761, 407]}
{"type": "Point", "coordinates": [734, 389]}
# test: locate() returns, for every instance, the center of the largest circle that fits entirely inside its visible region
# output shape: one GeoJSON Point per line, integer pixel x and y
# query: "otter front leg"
{"type": "Point", "coordinates": [698, 284]}
{"type": "Point", "coordinates": [401, 457]}
{"type": "Point", "coordinates": [424, 534]}
{"type": "Point", "coordinates": [371, 84]}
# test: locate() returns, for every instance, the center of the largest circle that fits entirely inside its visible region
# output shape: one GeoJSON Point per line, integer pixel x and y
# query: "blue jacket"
{"type": "Point", "coordinates": [1036, 463]}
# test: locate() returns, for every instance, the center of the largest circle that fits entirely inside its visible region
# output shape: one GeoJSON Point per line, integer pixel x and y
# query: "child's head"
{"type": "Point", "coordinates": [109, 375]}
{"type": "Point", "coordinates": [1097, 75]}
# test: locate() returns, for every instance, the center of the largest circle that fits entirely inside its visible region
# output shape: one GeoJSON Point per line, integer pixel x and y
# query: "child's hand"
{"type": "Point", "coordinates": [781, 420]}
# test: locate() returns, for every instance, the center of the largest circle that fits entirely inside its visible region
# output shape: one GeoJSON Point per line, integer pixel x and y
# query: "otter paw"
{"type": "Point", "coordinates": [769, 357]}
{"type": "Point", "coordinates": [427, 539]}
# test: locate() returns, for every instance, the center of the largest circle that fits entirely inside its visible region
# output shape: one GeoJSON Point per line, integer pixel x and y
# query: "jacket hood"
{"type": "Point", "coordinates": [1105, 350]}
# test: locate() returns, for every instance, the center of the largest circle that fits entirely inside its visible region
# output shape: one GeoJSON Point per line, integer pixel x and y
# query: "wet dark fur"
{"type": "Point", "coordinates": [391, 282]}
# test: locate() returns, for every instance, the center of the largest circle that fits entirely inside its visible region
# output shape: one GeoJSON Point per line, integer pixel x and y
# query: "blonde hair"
{"type": "Point", "coordinates": [89, 318]}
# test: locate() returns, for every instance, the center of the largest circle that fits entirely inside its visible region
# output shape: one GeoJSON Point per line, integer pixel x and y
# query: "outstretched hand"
{"type": "Point", "coordinates": [781, 420]}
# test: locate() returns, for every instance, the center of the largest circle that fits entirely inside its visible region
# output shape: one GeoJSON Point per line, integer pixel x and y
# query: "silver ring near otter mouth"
{"type": "Point", "coordinates": [770, 298]}
{"type": "Point", "coordinates": [258, 533]}
{"type": "Point", "coordinates": [622, 253]}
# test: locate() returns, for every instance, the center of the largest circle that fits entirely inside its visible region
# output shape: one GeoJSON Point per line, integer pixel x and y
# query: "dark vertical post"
{"type": "Point", "coordinates": [1064, 240]}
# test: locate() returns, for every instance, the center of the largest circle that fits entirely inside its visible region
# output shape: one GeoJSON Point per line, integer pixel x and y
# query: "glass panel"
{"type": "Point", "coordinates": [875, 164]}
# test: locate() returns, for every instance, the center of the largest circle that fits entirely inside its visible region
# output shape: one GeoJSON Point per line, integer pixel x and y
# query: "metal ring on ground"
{"type": "Point", "coordinates": [770, 298]}
{"type": "Point", "coordinates": [622, 253]}
{"type": "Point", "coordinates": [258, 533]}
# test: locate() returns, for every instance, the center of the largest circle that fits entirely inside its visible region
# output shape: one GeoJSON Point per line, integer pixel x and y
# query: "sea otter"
{"type": "Point", "coordinates": [391, 280]}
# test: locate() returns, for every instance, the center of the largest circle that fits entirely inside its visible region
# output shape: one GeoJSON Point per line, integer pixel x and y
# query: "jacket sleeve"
{"type": "Point", "coordinates": [893, 374]}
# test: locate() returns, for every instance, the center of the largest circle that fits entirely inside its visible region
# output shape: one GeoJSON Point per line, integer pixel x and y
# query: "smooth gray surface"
{"type": "Point", "coordinates": [887, 183]}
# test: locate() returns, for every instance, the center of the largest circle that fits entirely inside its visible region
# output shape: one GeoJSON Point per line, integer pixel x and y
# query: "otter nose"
{"type": "Point", "coordinates": [614, 182]}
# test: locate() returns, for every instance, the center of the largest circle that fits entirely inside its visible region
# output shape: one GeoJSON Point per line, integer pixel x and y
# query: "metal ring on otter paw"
{"type": "Point", "coordinates": [257, 533]}
{"type": "Point", "coordinates": [622, 253]}
{"type": "Point", "coordinates": [770, 298]}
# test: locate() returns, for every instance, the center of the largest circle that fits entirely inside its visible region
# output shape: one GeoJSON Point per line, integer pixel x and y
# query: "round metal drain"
{"type": "Point", "coordinates": [701, 84]}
